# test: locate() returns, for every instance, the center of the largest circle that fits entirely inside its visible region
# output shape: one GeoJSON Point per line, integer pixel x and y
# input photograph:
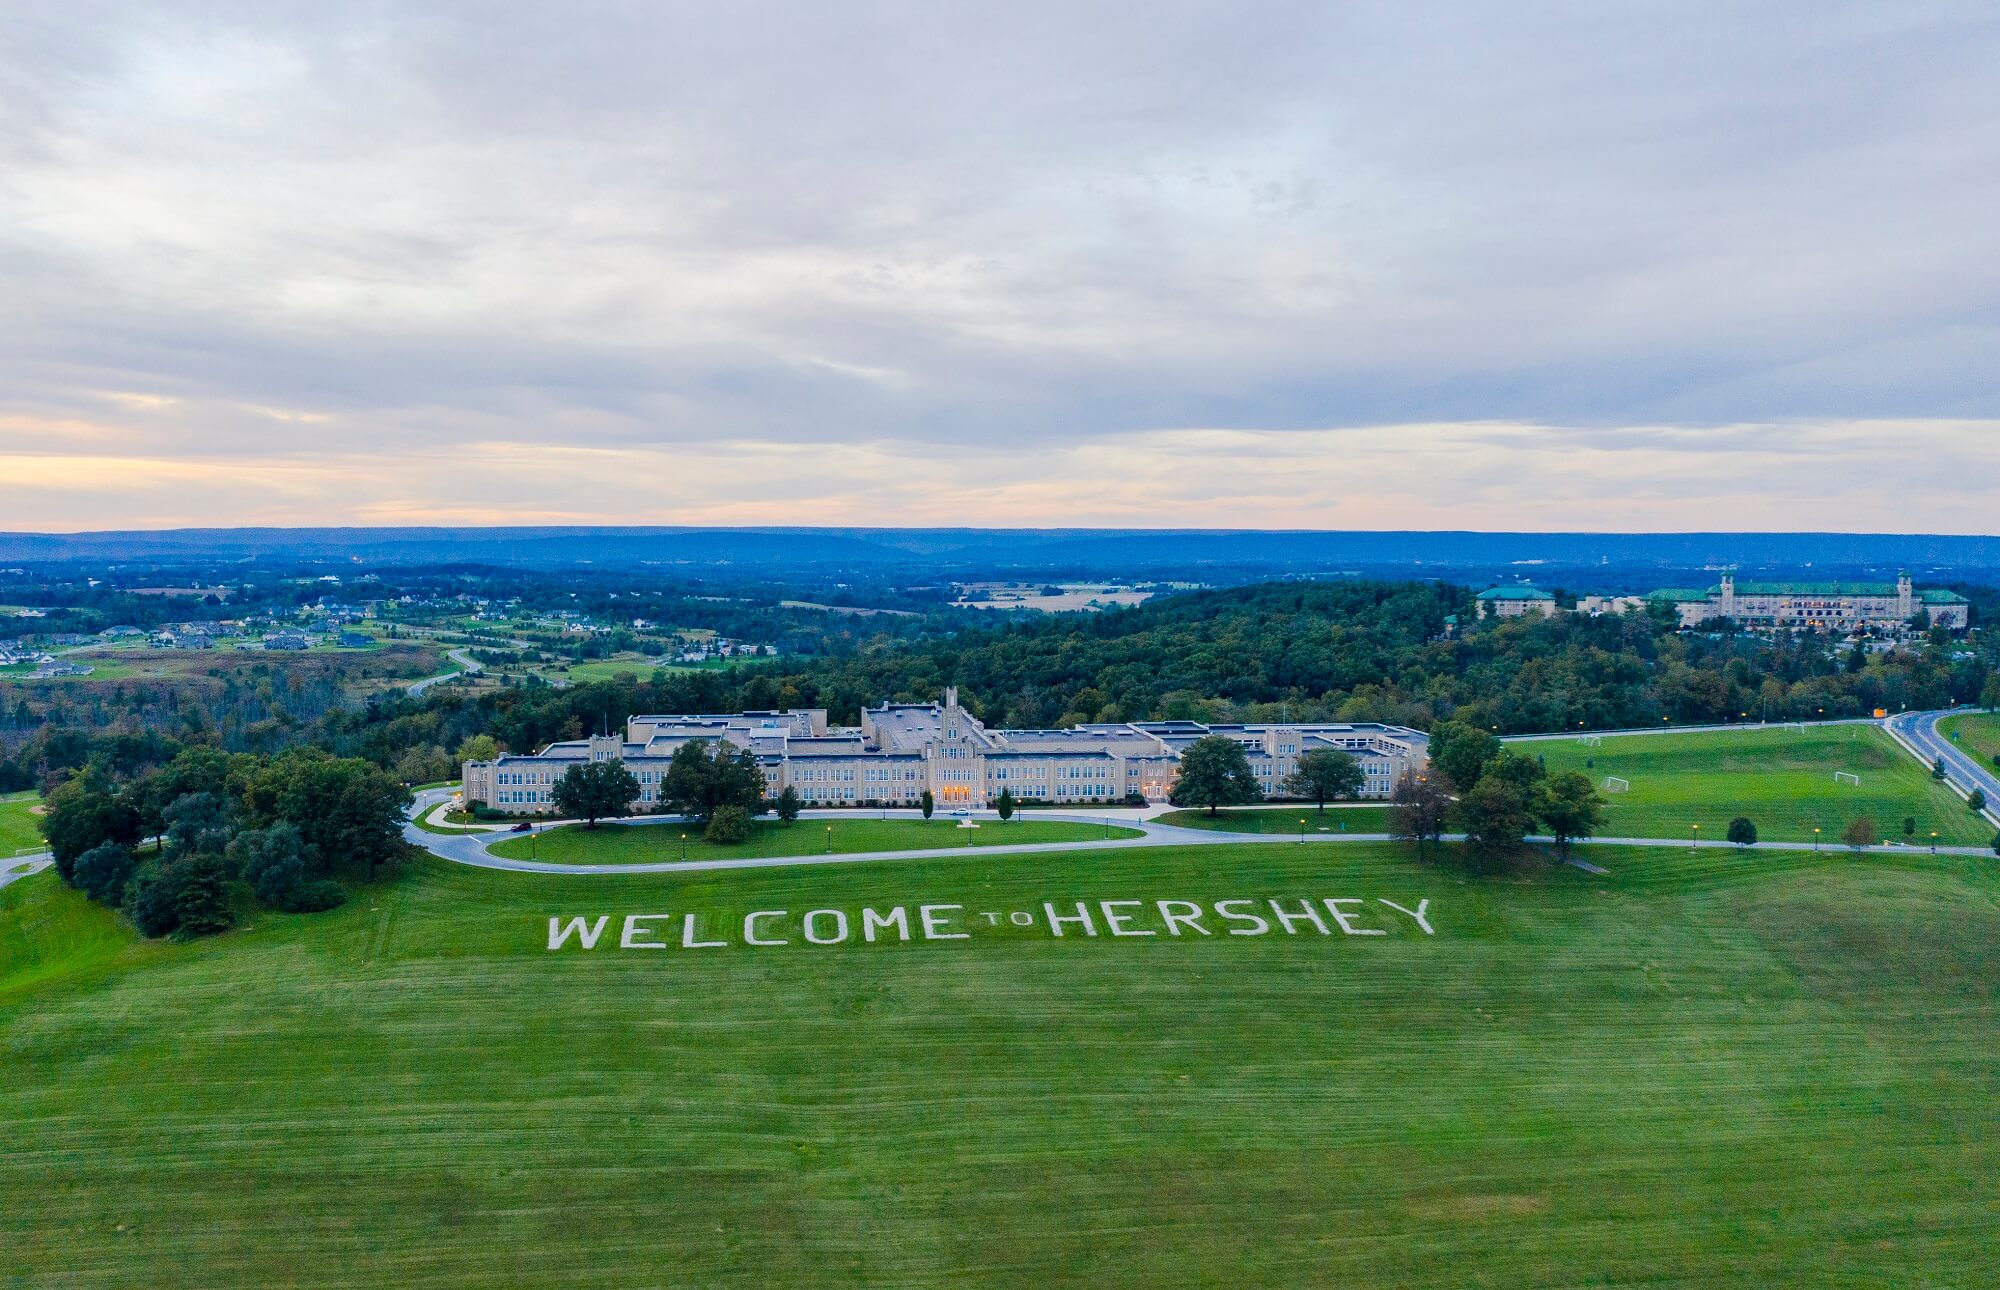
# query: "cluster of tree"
{"type": "Point", "coordinates": [711, 782]}
{"type": "Point", "coordinates": [1508, 795]}
{"type": "Point", "coordinates": [1215, 772]}
{"type": "Point", "coordinates": [171, 847]}
{"type": "Point", "coordinates": [1352, 650]}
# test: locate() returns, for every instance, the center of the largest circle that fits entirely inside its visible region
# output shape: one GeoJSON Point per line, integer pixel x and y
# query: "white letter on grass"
{"type": "Point", "coordinates": [1116, 921]}
{"type": "Point", "coordinates": [750, 936]}
{"type": "Point", "coordinates": [688, 942]}
{"type": "Point", "coordinates": [1082, 916]}
{"type": "Point", "coordinates": [585, 933]}
{"type": "Point", "coordinates": [1192, 917]}
{"type": "Point", "coordinates": [1222, 910]}
{"type": "Point", "coordinates": [839, 927]}
{"type": "Point", "coordinates": [1333, 906]}
{"type": "Point", "coordinates": [629, 939]}
{"type": "Point", "coordinates": [898, 918]}
{"type": "Point", "coordinates": [1417, 913]}
{"type": "Point", "coordinates": [1308, 915]}
{"type": "Point", "coordinates": [931, 917]}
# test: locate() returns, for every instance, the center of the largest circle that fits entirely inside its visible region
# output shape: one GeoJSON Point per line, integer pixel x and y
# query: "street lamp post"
{"type": "Point", "coordinates": [1815, 839]}
{"type": "Point", "coordinates": [1697, 837]}
{"type": "Point", "coordinates": [1302, 828]}
{"type": "Point", "coordinates": [829, 839]}
{"type": "Point", "coordinates": [1933, 841]}
{"type": "Point", "coordinates": [684, 846]}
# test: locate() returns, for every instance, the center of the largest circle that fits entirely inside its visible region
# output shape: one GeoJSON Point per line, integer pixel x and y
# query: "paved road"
{"type": "Point", "coordinates": [1664, 729]}
{"type": "Point", "coordinates": [1918, 731]}
{"type": "Point", "coordinates": [471, 849]}
{"type": "Point", "coordinates": [467, 666]}
{"type": "Point", "coordinates": [21, 866]}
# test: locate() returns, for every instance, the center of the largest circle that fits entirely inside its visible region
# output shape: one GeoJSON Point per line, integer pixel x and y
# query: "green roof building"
{"type": "Point", "coordinates": [1515, 601]}
{"type": "Point", "coordinates": [1818, 606]}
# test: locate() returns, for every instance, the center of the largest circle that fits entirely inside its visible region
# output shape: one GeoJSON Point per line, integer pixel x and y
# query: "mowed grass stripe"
{"type": "Point", "coordinates": [1781, 779]}
{"type": "Point", "coordinates": [20, 827]}
{"type": "Point", "coordinates": [1285, 819]}
{"type": "Point", "coordinates": [652, 843]}
{"type": "Point", "coordinates": [1754, 1069]}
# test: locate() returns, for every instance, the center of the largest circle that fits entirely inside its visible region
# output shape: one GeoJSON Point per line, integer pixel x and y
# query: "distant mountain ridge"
{"type": "Point", "coordinates": [1092, 550]}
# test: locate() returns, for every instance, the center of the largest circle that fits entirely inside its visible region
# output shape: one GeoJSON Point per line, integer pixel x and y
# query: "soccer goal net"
{"type": "Point", "coordinates": [1591, 741]}
{"type": "Point", "coordinates": [1613, 784]}
{"type": "Point", "coordinates": [1846, 777]}
{"type": "Point", "coordinates": [1799, 726]}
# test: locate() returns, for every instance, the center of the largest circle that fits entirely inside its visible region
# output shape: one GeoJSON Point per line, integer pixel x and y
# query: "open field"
{"type": "Point", "coordinates": [19, 830]}
{"type": "Point", "coordinates": [1700, 1069]}
{"type": "Point", "coordinates": [1978, 735]}
{"type": "Point", "coordinates": [1782, 779]}
{"type": "Point", "coordinates": [360, 668]}
{"type": "Point", "coordinates": [1285, 819]}
{"type": "Point", "coordinates": [641, 667]}
{"type": "Point", "coordinates": [648, 843]}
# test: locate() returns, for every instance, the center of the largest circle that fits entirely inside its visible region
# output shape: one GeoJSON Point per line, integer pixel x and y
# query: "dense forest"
{"type": "Point", "coordinates": [1350, 650]}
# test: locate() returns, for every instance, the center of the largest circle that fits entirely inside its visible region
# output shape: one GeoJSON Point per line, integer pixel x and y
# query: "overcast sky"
{"type": "Point", "coordinates": [1396, 265]}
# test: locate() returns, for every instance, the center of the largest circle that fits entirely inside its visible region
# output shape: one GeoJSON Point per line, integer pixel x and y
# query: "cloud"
{"type": "Point", "coordinates": [394, 241]}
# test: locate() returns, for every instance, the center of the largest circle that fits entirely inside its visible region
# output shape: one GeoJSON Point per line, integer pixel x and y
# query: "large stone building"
{"type": "Point", "coordinates": [1822, 606]}
{"type": "Point", "coordinates": [901, 749]}
{"type": "Point", "coordinates": [1515, 602]}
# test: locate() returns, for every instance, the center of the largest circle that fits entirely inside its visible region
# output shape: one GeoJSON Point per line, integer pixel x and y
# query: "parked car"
{"type": "Point", "coordinates": [522, 827]}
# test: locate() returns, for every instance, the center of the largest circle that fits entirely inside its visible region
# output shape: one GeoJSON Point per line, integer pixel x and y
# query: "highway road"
{"type": "Point", "coordinates": [1918, 731]}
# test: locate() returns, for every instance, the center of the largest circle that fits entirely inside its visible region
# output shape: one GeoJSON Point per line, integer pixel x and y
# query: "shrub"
{"type": "Point", "coordinates": [1743, 831]}
{"type": "Point", "coordinates": [103, 872]}
{"type": "Point", "coordinates": [201, 904]}
{"type": "Point", "coordinates": [152, 899]}
{"type": "Point", "coordinates": [317, 897]}
{"type": "Point", "coordinates": [1977, 801]}
{"type": "Point", "coordinates": [1863, 832]}
{"type": "Point", "coordinates": [730, 825]}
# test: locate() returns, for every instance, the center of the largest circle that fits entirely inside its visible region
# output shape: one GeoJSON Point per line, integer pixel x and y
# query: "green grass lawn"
{"type": "Point", "coordinates": [1285, 819]}
{"type": "Point", "coordinates": [1978, 735]}
{"type": "Point", "coordinates": [20, 829]}
{"type": "Point", "coordinates": [647, 843]}
{"type": "Point", "coordinates": [1698, 1070]}
{"type": "Point", "coordinates": [640, 667]}
{"type": "Point", "coordinates": [1781, 779]}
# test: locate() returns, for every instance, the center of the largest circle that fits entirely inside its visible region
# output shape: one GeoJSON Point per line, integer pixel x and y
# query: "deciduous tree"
{"type": "Point", "coordinates": [1743, 831]}
{"type": "Point", "coordinates": [1569, 807]}
{"type": "Point", "coordinates": [595, 790]}
{"type": "Point", "coordinates": [1324, 775]}
{"type": "Point", "coordinates": [1215, 772]}
{"type": "Point", "coordinates": [1418, 808]}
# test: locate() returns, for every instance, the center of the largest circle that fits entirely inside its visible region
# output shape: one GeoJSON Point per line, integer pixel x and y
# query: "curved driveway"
{"type": "Point", "coordinates": [471, 848]}
{"type": "Point", "coordinates": [1918, 731]}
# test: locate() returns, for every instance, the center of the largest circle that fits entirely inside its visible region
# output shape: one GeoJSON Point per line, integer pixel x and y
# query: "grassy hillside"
{"type": "Point", "coordinates": [1978, 734]}
{"type": "Point", "coordinates": [19, 828]}
{"type": "Point", "coordinates": [649, 843]}
{"type": "Point", "coordinates": [1782, 779]}
{"type": "Point", "coordinates": [1285, 819]}
{"type": "Point", "coordinates": [1699, 1070]}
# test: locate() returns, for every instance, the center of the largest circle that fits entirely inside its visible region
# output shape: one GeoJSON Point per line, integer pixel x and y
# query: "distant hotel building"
{"type": "Point", "coordinates": [1824, 606]}
{"type": "Point", "coordinates": [1515, 602]}
{"type": "Point", "coordinates": [901, 749]}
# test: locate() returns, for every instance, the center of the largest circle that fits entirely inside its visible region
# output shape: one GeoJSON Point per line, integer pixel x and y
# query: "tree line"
{"type": "Point", "coordinates": [180, 848]}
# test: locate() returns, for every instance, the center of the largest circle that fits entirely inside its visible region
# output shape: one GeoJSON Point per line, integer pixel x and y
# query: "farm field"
{"type": "Point", "coordinates": [19, 830]}
{"type": "Point", "coordinates": [372, 667]}
{"type": "Point", "coordinates": [649, 843]}
{"type": "Point", "coordinates": [1284, 819]}
{"type": "Point", "coordinates": [1781, 779]}
{"type": "Point", "coordinates": [1978, 735]}
{"type": "Point", "coordinates": [1698, 1069]}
